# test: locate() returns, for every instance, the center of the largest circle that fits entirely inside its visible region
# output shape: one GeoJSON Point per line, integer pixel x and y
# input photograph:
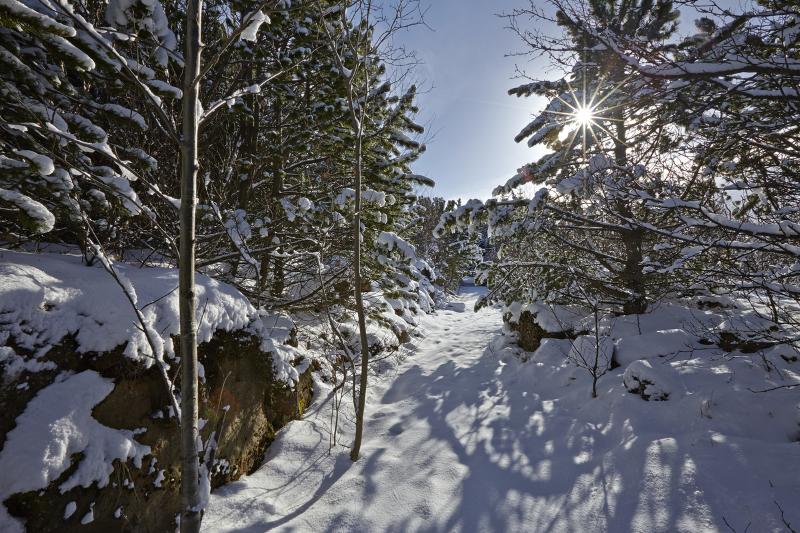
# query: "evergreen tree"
{"type": "Point", "coordinates": [576, 235]}
{"type": "Point", "coordinates": [732, 88]}
{"type": "Point", "coordinates": [64, 83]}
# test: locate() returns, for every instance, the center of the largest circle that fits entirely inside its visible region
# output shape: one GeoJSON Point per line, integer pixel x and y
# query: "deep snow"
{"type": "Point", "coordinates": [462, 435]}
{"type": "Point", "coordinates": [45, 297]}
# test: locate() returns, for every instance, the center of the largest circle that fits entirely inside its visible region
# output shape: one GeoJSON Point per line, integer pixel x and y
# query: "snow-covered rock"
{"type": "Point", "coordinates": [551, 318]}
{"type": "Point", "coordinates": [536, 321]}
{"type": "Point", "coordinates": [83, 402]}
{"type": "Point", "coordinates": [56, 425]}
{"type": "Point", "coordinates": [653, 383]}
{"type": "Point", "coordinates": [45, 298]}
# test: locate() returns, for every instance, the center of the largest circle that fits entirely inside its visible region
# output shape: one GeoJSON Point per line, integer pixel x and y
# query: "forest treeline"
{"type": "Point", "coordinates": [91, 125]}
{"type": "Point", "coordinates": [269, 145]}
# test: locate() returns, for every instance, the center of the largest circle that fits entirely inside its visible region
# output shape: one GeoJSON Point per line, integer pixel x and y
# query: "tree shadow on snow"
{"type": "Point", "coordinates": [522, 462]}
{"type": "Point", "coordinates": [532, 468]}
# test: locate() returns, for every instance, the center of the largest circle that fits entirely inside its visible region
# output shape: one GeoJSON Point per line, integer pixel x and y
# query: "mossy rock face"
{"type": "Point", "coordinates": [239, 400]}
{"type": "Point", "coordinates": [731, 342]}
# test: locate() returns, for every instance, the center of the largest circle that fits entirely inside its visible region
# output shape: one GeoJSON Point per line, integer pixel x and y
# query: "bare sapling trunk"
{"type": "Point", "coordinates": [362, 320]}
{"type": "Point", "coordinates": [595, 371]}
{"type": "Point", "coordinates": [191, 513]}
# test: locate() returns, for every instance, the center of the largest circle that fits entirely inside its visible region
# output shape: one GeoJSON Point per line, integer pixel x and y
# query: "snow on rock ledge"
{"type": "Point", "coordinates": [537, 321]}
{"type": "Point", "coordinates": [551, 318]}
{"type": "Point", "coordinates": [45, 298]}
{"type": "Point", "coordinates": [57, 424]}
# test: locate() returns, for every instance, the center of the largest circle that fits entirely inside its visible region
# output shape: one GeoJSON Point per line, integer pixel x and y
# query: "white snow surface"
{"type": "Point", "coordinates": [662, 343]}
{"type": "Point", "coordinates": [55, 425]}
{"type": "Point", "coordinates": [46, 297]}
{"type": "Point", "coordinates": [462, 435]}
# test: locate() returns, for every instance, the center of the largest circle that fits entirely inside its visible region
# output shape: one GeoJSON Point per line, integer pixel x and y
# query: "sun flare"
{"type": "Point", "coordinates": [584, 115]}
{"type": "Point", "coordinates": [587, 113]}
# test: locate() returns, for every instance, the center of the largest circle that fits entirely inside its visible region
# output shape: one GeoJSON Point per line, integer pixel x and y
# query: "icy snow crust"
{"type": "Point", "coordinates": [47, 297]}
{"type": "Point", "coordinates": [55, 425]}
{"type": "Point", "coordinates": [464, 436]}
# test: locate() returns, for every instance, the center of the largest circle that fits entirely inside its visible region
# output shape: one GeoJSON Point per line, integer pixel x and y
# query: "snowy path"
{"type": "Point", "coordinates": [456, 440]}
{"type": "Point", "coordinates": [420, 435]}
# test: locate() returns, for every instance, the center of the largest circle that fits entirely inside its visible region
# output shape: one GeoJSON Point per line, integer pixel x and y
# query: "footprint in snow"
{"type": "Point", "coordinates": [397, 429]}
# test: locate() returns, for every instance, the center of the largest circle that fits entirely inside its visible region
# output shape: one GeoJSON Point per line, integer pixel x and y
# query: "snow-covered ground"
{"type": "Point", "coordinates": [462, 435]}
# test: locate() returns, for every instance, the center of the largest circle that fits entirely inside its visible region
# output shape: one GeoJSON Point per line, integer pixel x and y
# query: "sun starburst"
{"type": "Point", "coordinates": [583, 115]}
{"type": "Point", "coordinates": [589, 113]}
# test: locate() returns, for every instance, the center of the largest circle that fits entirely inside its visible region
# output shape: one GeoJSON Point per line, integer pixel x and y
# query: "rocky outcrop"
{"type": "Point", "coordinates": [241, 400]}
{"type": "Point", "coordinates": [530, 333]}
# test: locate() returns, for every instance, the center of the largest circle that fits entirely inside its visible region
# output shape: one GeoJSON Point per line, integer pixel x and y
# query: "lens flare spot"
{"type": "Point", "coordinates": [584, 115]}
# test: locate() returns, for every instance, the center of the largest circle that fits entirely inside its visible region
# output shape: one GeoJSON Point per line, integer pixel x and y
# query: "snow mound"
{"type": "Point", "coordinates": [652, 383]}
{"type": "Point", "coordinates": [670, 342]}
{"type": "Point", "coordinates": [586, 348]}
{"type": "Point", "coordinates": [56, 425]}
{"type": "Point", "coordinates": [45, 298]}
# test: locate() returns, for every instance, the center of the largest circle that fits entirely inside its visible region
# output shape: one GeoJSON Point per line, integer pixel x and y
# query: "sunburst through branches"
{"type": "Point", "coordinates": [584, 116]}
{"type": "Point", "coordinates": [587, 113]}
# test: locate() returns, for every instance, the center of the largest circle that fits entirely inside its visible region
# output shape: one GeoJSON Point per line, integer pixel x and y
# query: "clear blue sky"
{"type": "Point", "coordinates": [470, 117]}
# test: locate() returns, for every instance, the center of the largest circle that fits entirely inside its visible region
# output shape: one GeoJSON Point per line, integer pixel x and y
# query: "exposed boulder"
{"type": "Point", "coordinates": [240, 399]}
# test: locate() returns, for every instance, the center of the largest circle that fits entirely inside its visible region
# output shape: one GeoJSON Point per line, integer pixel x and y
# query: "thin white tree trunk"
{"type": "Point", "coordinates": [190, 488]}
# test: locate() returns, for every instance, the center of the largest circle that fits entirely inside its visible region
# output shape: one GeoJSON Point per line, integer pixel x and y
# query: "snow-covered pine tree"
{"type": "Point", "coordinates": [265, 153]}
{"type": "Point", "coordinates": [64, 161]}
{"type": "Point", "coordinates": [451, 257]}
{"type": "Point", "coordinates": [733, 87]}
{"type": "Point", "coordinates": [563, 223]}
{"type": "Point", "coordinates": [358, 37]}
{"type": "Point", "coordinates": [391, 262]}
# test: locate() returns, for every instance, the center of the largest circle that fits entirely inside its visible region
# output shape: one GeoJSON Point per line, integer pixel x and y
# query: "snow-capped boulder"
{"type": "Point", "coordinates": [69, 338]}
{"type": "Point", "coordinates": [657, 382]}
{"type": "Point", "coordinates": [536, 321]}
{"type": "Point", "coordinates": [748, 332]}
